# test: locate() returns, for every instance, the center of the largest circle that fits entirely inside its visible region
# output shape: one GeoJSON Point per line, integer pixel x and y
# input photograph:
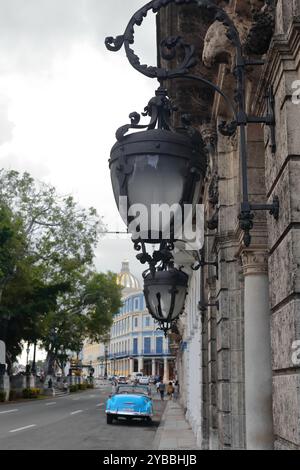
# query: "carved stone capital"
{"type": "Point", "coordinates": [209, 133]}
{"type": "Point", "coordinates": [255, 262]}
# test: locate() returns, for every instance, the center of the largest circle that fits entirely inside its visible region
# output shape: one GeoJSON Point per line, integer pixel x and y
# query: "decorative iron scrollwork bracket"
{"type": "Point", "coordinates": [246, 216]}
{"type": "Point", "coordinates": [187, 61]}
{"type": "Point", "coordinates": [163, 255]}
{"type": "Point", "coordinates": [165, 327]}
{"type": "Point", "coordinates": [203, 306]}
{"type": "Point", "coordinates": [203, 263]}
{"type": "Point", "coordinates": [159, 109]}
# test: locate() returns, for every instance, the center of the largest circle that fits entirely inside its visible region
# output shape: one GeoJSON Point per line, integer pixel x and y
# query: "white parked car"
{"type": "Point", "coordinates": [136, 376]}
{"type": "Point", "coordinates": [144, 380]}
{"type": "Point", "coordinates": [122, 379]}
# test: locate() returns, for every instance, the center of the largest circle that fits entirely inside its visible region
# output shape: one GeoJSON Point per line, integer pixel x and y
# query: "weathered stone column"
{"type": "Point", "coordinates": [141, 364]}
{"type": "Point", "coordinates": [153, 367]}
{"type": "Point", "coordinates": [258, 368]}
{"type": "Point", "coordinates": [166, 370]}
{"type": "Point", "coordinates": [131, 366]}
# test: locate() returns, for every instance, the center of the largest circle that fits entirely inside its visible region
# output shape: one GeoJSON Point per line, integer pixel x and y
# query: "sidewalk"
{"type": "Point", "coordinates": [174, 432]}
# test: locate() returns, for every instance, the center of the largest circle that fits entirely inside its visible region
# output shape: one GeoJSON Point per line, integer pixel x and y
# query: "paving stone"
{"type": "Point", "coordinates": [174, 432]}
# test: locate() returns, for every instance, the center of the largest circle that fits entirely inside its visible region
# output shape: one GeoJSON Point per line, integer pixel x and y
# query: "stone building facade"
{"type": "Point", "coordinates": [244, 391]}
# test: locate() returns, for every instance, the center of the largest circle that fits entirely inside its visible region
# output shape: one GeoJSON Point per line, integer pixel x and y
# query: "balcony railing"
{"type": "Point", "coordinates": [143, 352]}
{"type": "Point", "coordinates": [154, 352]}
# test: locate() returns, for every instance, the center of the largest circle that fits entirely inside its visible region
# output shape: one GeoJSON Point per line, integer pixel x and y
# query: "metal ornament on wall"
{"type": "Point", "coordinates": [169, 48]}
{"type": "Point", "coordinates": [203, 305]}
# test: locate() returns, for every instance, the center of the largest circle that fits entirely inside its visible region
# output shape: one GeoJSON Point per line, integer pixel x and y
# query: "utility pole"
{"type": "Point", "coordinates": [105, 361]}
{"type": "Point", "coordinates": [34, 359]}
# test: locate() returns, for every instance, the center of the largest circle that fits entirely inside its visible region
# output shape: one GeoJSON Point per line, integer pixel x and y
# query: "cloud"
{"type": "Point", "coordinates": [38, 169]}
{"type": "Point", "coordinates": [6, 126]}
{"type": "Point", "coordinates": [112, 250]}
{"type": "Point", "coordinates": [64, 96]}
{"type": "Point", "coordinates": [33, 32]}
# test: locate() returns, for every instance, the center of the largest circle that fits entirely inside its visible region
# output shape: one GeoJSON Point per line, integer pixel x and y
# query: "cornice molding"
{"type": "Point", "coordinates": [284, 50]}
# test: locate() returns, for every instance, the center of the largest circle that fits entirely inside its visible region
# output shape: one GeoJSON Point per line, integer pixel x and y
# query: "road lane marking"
{"type": "Point", "coordinates": [8, 411]}
{"type": "Point", "coordinates": [75, 399]}
{"type": "Point", "coordinates": [100, 404]}
{"type": "Point", "coordinates": [52, 403]}
{"type": "Point", "coordinates": [76, 412]}
{"type": "Point", "coordinates": [22, 429]}
{"type": "Point", "coordinates": [92, 396]}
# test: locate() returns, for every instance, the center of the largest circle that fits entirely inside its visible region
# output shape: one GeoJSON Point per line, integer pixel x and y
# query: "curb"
{"type": "Point", "coordinates": [159, 431]}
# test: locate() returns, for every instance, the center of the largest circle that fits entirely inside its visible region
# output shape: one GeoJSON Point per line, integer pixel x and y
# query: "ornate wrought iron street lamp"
{"type": "Point", "coordinates": [161, 164]}
{"type": "Point", "coordinates": [240, 117]}
{"type": "Point", "coordinates": [165, 293]}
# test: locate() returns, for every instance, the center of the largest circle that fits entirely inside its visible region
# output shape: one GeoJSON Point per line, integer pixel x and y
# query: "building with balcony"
{"type": "Point", "coordinates": [135, 344]}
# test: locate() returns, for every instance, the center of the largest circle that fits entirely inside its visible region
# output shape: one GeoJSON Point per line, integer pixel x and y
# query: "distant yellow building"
{"type": "Point", "coordinates": [93, 355]}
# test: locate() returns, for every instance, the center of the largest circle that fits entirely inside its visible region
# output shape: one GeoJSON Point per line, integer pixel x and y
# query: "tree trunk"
{"type": "Point", "coordinates": [1, 291]}
{"type": "Point", "coordinates": [9, 364]}
{"type": "Point", "coordinates": [49, 363]}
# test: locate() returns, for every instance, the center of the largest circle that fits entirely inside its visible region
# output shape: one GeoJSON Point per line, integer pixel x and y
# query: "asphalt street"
{"type": "Point", "coordinates": [72, 422]}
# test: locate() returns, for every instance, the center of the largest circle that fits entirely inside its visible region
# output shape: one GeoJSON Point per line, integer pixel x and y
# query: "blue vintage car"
{"type": "Point", "coordinates": [130, 401]}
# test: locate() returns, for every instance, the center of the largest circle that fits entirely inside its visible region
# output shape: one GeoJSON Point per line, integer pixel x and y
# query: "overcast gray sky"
{"type": "Point", "coordinates": [63, 95]}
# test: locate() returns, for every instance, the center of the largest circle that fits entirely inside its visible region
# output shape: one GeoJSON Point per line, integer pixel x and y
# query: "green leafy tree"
{"type": "Point", "coordinates": [12, 244]}
{"type": "Point", "coordinates": [47, 245]}
{"type": "Point", "coordinates": [59, 234]}
{"type": "Point", "coordinates": [103, 295]}
{"type": "Point", "coordinates": [86, 312]}
{"type": "Point", "coordinates": [25, 302]}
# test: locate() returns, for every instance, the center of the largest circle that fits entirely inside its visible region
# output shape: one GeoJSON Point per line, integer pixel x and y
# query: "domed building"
{"type": "Point", "coordinates": [136, 345]}
{"type": "Point", "coordinates": [127, 280]}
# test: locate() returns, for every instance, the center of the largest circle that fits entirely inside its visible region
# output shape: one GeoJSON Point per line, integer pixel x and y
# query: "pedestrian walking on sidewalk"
{"type": "Point", "coordinates": [162, 389]}
{"type": "Point", "coordinates": [176, 390]}
{"type": "Point", "coordinates": [170, 390]}
{"type": "Point", "coordinates": [114, 386]}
